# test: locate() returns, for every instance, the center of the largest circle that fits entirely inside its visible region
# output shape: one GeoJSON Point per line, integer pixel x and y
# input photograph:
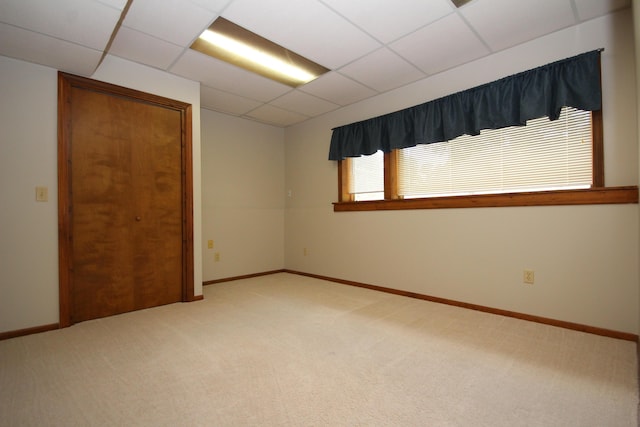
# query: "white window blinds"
{"type": "Point", "coordinates": [543, 155]}
{"type": "Point", "coordinates": [367, 177]}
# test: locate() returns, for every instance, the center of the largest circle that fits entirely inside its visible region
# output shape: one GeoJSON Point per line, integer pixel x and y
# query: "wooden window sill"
{"type": "Point", "coordinates": [592, 196]}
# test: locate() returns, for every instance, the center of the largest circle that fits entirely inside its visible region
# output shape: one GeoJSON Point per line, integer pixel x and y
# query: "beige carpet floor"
{"type": "Point", "coordinates": [287, 350]}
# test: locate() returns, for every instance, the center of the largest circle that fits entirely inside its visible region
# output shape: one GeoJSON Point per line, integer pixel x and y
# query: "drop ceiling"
{"type": "Point", "coordinates": [370, 46]}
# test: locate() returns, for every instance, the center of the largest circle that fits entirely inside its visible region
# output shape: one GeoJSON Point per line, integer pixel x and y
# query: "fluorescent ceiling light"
{"type": "Point", "coordinates": [231, 43]}
{"type": "Point", "coordinates": [259, 57]}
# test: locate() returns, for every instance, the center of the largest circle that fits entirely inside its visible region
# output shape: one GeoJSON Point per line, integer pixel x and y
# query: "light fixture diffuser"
{"type": "Point", "coordinates": [229, 42]}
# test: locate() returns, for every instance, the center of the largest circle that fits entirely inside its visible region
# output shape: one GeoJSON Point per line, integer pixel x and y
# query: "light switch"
{"type": "Point", "coordinates": [42, 194]}
{"type": "Point", "coordinates": [210, 244]}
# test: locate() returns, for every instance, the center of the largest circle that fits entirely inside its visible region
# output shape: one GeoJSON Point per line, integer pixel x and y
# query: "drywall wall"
{"type": "Point", "coordinates": [28, 158]}
{"type": "Point", "coordinates": [28, 229]}
{"type": "Point", "coordinates": [242, 196]}
{"type": "Point", "coordinates": [585, 258]}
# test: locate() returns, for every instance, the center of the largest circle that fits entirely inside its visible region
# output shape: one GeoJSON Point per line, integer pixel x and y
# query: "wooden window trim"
{"type": "Point", "coordinates": [590, 196]}
{"type": "Point", "coordinates": [598, 194]}
{"type": "Point", "coordinates": [344, 177]}
{"type": "Point", "coordinates": [598, 149]}
{"type": "Point", "coordinates": [391, 175]}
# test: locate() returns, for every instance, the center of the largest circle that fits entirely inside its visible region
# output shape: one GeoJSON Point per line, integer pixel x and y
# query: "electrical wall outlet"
{"type": "Point", "coordinates": [305, 252]}
{"type": "Point", "coordinates": [216, 256]}
{"type": "Point", "coordinates": [528, 277]}
{"type": "Point", "coordinates": [210, 244]}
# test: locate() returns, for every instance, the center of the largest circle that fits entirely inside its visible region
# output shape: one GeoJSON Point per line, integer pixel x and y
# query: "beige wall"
{"type": "Point", "coordinates": [585, 258]}
{"type": "Point", "coordinates": [242, 196]}
{"type": "Point", "coordinates": [28, 158]}
{"type": "Point", "coordinates": [28, 229]}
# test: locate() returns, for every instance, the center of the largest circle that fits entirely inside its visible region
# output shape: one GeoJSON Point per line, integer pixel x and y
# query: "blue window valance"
{"type": "Point", "coordinates": [510, 101]}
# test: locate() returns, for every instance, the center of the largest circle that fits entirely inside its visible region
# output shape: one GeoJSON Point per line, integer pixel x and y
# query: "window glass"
{"type": "Point", "coordinates": [543, 155]}
{"type": "Point", "coordinates": [367, 177]}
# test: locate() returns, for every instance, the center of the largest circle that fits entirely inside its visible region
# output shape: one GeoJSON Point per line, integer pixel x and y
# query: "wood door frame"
{"type": "Point", "coordinates": [66, 82]}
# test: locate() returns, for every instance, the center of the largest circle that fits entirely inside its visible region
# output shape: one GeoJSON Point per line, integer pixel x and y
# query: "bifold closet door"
{"type": "Point", "coordinates": [125, 175]}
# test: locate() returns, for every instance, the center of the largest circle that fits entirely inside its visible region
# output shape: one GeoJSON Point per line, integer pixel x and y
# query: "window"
{"type": "Point", "coordinates": [543, 155]}
{"type": "Point", "coordinates": [533, 162]}
{"type": "Point", "coordinates": [367, 177]}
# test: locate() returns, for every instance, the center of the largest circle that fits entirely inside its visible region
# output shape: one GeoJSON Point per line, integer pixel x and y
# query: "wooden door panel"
{"type": "Point", "coordinates": [102, 262]}
{"type": "Point", "coordinates": [158, 188]}
{"type": "Point", "coordinates": [125, 200]}
{"type": "Point", "coordinates": [101, 222]}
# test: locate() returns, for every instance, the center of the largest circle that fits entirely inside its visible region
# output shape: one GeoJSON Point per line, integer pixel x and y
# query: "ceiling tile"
{"type": "Point", "coordinates": [175, 21]}
{"type": "Point", "coordinates": [85, 22]}
{"type": "Point", "coordinates": [513, 22]}
{"type": "Point", "coordinates": [220, 75]}
{"type": "Point", "coordinates": [373, 16]}
{"type": "Point", "coordinates": [306, 27]}
{"type": "Point", "coordinates": [588, 9]}
{"type": "Point", "coordinates": [213, 5]}
{"type": "Point", "coordinates": [276, 116]}
{"type": "Point", "coordinates": [219, 100]}
{"type": "Point", "coordinates": [52, 52]}
{"type": "Point", "coordinates": [338, 89]}
{"type": "Point", "coordinates": [442, 45]}
{"type": "Point", "coordinates": [139, 47]}
{"type": "Point", "coordinates": [117, 4]}
{"type": "Point", "coordinates": [382, 70]}
{"type": "Point", "coordinates": [304, 103]}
